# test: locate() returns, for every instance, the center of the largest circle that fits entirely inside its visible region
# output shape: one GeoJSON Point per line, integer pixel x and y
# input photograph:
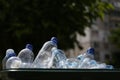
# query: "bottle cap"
{"type": "Point", "coordinates": [11, 55]}
{"type": "Point", "coordinates": [91, 51]}
{"type": "Point", "coordinates": [29, 46]}
{"type": "Point", "coordinates": [54, 39]}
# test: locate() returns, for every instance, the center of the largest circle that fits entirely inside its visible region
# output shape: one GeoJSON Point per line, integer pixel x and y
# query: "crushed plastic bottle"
{"type": "Point", "coordinates": [50, 56]}
{"type": "Point", "coordinates": [88, 54]}
{"type": "Point", "coordinates": [9, 53]}
{"type": "Point", "coordinates": [59, 58]}
{"type": "Point", "coordinates": [101, 66]}
{"type": "Point", "coordinates": [92, 64]}
{"type": "Point", "coordinates": [86, 58]}
{"type": "Point", "coordinates": [72, 63]}
{"type": "Point", "coordinates": [44, 55]}
{"type": "Point", "coordinates": [85, 63]}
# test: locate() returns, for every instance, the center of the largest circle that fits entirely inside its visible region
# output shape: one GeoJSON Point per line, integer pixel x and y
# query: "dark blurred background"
{"type": "Point", "coordinates": [36, 21]}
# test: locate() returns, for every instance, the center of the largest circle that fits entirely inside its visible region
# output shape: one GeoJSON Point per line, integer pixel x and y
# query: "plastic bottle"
{"type": "Point", "coordinates": [93, 64]}
{"type": "Point", "coordinates": [59, 58]}
{"type": "Point", "coordinates": [9, 53]}
{"type": "Point", "coordinates": [72, 63]}
{"type": "Point", "coordinates": [44, 55]}
{"type": "Point", "coordinates": [101, 66]}
{"type": "Point", "coordinates": [13, 62]}
{"type": "Point", "coordinates": [84, 64]}
{"type": "Point", "coordinates": [26, 54]}
{"type": "Point", "coordinates": [86, 57]}
{"type": "Point", "coordinates": [88, 54]}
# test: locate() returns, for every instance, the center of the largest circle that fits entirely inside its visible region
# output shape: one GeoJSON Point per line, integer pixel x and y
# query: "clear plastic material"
{"type": "Point", "coordinates": [59, 58]}
{"type": "Point", "coordinates": [85, 58]}
{"type": "Point", "coordinates": [26, 65]}
{"type": "Point", "coordinates": [88, 54]}
{"type": "Point", "coordinates": [9, 53]}
{"type": "Point", "coordinates": [72, 63]}
{"type": "Point", "coordinates": [50, 56]}
{"type": "Point", "coordinates": [44, 56]}
{"type": "Point", "coordinates": [13, 62]}
{"type": "Point", "coordinates": [26, 55]}
{"type": "Point", "coordinates": [84, 63]}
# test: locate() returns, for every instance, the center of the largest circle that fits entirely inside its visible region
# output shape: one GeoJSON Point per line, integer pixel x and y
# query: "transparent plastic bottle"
{"type": "Point", "coordinates": [101, 66]}
{"type": "Point", "coordinates": [44, 55]}
{"type": "Point", "coordinates": [59, 58]}
{"type": "Point", "coordinates": [9, 53]}
{"type": "Point", "coordinates": [93, 64]}
{"type": "Point", "coordinates": [13, 62]}
{"type": "Point", "coordinates": [88, 54]}
{"type": "Point", "coordinates": [26, 54]}
{"type": "Point", "coordinates": [86, 57]}
{"type": "Point", "coordinates": [72, 63]}
{"type": "Point", "coordinates": [85, 63]}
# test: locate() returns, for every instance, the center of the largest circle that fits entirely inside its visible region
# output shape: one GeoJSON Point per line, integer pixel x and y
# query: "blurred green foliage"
{"type": "Point", "coordinates": [114, 37]}
{"type": "Point", "coordinates": [115, 41]}
{"type": "Point", "coordinates": [36, 21]}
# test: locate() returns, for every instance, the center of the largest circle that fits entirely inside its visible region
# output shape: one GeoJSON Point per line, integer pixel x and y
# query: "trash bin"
{"type": "Point", "coordinates": [61, 74]}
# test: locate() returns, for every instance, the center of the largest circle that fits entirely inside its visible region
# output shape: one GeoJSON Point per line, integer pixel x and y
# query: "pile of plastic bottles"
{"type": "Point", "coordinates": [50, 56]}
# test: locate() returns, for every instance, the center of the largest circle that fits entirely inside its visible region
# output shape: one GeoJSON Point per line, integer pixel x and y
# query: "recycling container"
{"type": "Point", "coordinates": [61, 74]}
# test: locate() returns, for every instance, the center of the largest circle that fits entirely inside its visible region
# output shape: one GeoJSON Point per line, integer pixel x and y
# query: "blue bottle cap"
{"type": "Point", "coordinates": [10, 55]}
{"type": "Point", "coordinates": [91, 51]}
{"type": "Point", "coordinates": [54, 39]}
{"type": "Point", "coordinates": [29, 46]}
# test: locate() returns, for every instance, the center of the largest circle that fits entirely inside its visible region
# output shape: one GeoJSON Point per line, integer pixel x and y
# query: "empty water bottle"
{"type": "Point", "coordinates": [84, 64]}
{"type": "Point", "coordinates": [13, 62]}
{"type": "Point", "coordinates": [26, 54]}
{"type": "Point", "coordinates": [59, 58]}
{"type": "Point", "coordinates": [44, 55]}
{"type": "Point", "coordinates": [85, 58]}
{"type": "Point", "coordinates": [72, 63]}
{"type": "Point", "coordinates": [88, 54]}
{"type": "Point", "coordinates": [9, 53]}
{"type": "Point", "coordinates": [101, 66]}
